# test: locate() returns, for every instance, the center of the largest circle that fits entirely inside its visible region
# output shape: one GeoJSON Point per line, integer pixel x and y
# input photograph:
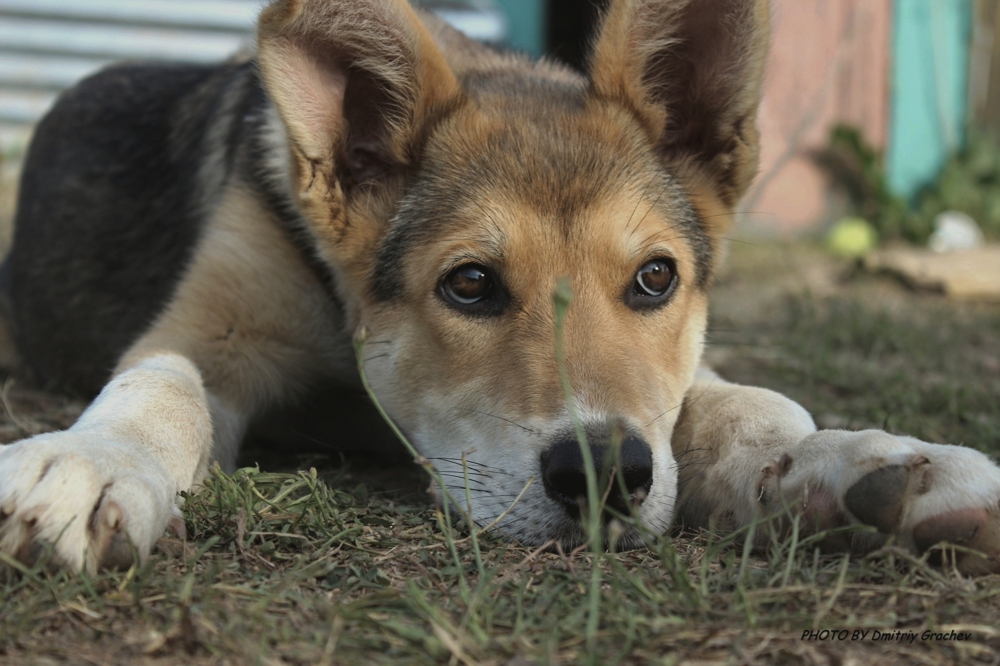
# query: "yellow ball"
{"type": "Point", "coordinates": [852, 237]}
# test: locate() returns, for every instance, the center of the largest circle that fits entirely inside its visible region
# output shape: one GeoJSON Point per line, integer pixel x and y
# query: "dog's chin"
{"type": "Point", "coordinates": [573, 537]}
{"type": "Point", "coordinates": [570, 534]}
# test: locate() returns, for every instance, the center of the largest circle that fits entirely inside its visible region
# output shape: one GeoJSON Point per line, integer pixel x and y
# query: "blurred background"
{"type": "Point", "coordinates": [881, 111]}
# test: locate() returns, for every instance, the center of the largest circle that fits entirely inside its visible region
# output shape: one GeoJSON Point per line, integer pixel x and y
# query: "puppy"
{"type": "Point", "coordinates": [203, 242]}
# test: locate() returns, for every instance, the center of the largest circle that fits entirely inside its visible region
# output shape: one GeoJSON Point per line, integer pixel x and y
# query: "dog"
{"type": "Point", "coordinates": [201, 244]}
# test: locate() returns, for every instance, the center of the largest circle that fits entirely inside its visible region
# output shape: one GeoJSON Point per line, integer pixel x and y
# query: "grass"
{"type": "Point", "coordinates": [349, 564]}
{"type": "Point", "coordinates": [870, 355]}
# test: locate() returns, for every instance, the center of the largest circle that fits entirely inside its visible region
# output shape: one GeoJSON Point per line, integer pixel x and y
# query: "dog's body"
{"type": "Point", "coordinates": [213, 238]}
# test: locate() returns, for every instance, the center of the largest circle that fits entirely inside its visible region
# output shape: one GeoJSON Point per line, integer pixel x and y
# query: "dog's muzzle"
{"type": "Point", "coordinates": [625, 476]}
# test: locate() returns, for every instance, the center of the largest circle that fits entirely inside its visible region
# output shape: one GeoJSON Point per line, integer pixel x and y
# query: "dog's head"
{"type": "Point", "coordinates": [451, 188]}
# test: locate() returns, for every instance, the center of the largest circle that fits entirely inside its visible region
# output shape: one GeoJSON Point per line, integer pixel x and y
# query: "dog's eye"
{"type": "Point", "coordinates": [473, 289]}
{"type": "Point", "coordinates": [654, 279]}
{"type": "Point", "coordinates": [654, 283]}
{"type": "Point", "coordinates": [468, 284]}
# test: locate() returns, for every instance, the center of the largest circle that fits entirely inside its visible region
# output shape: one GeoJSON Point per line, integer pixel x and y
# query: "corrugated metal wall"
{"type": "Point", "coordinates": [47, 45]}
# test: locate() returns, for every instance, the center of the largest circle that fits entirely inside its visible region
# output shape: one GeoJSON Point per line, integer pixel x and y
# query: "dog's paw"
{"type": "Point", "coordinates": [92, 501]}
{"type": "Point", "coordinates": [922, 494]}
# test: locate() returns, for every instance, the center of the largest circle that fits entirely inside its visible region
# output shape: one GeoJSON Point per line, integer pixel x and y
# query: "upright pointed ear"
{"type": "Point", "coordinates": [691, 71]}
{"type": "Point", "coordinates": [356, 83]}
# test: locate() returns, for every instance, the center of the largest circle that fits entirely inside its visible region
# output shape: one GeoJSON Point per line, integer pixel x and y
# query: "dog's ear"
{"type": "Point", "coordinates": [691, 71]}
{"type": "Point", "coordinates": [356, 82]}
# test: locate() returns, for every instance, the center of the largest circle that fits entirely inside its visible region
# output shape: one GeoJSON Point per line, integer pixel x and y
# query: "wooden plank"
{"type": "Point", "coordinates": [967, 274]}
{"type": "Point", "coordinates": [984, 68]}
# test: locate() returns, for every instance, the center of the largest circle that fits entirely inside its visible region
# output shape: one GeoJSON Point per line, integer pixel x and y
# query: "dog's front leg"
{"type": "Point", "coordinates": [728, 440]}
{"type": "Point", "coordinates": [108, 483]}
{"type": "Point", "coordinates": [748, 453]}
{"type": "Point", "coordinates": [234, 339]}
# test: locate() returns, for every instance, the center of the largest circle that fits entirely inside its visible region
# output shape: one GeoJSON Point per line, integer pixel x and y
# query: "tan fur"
{"type": "Point", "coordinates": [255, 339]}
{"type": "Point", "coordinates": [258, 341]}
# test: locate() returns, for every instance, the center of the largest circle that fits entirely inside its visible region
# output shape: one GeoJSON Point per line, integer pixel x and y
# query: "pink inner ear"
{"type": "Point", "coordinates": [309, 88]}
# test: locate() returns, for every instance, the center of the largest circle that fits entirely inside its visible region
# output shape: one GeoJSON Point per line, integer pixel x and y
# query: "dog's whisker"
{"type": "Point", "coordinates": [461, 461]}
{"type": "Point", "coordinates": [686, 452]}
{"type": "Point", "coordinates": [641, 197]}
{"type": "Point", "coordinates": [458, 491]}
{"type": "Point", "coordinates": [700, 462]}
{"type": "Point", "coordinates": [686, 401]}
{"type": "Point", "coordinates": [658, 197]}
{"type": "Point", "coordinates": [692, 236]}
{"type": "Point", "coordinates": [471, 463]}
{"type": "Point", "coordinates": [696, 237]}
{"type": "Point", "coordinates": [472, 473]}
{"type": "Point", "coordinates": [735, 240]}
{"type": "Point", "coordinates": [691, 477]}
{"type": "Point", "coordinates": [459, 476]}
{"type": "Point", "coordinates": [645, 242]}
{"type": "Point", "coordinates": [664, 414]}
{"type": "Point", "coordinates": [693, 450]}
{"type": "Point", "coordinates": [513, 423]}
{"type": "Point", "coordinates": [738, 213]}
{"type": "Point", "coordinates": [479, 486]}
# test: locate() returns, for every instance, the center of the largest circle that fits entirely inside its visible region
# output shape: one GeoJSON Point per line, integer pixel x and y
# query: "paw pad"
{"type": "Point", "coordinates": [877, 499]}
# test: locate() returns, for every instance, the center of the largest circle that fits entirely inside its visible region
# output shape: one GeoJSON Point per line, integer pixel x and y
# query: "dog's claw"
{"type": "Point", "coordinates": [118, 553]}
{"type": "Point", "coordinates": [115, 549]}
{"type": "Point", "coordinates": [94, 508]}
{"type": "Point", "coordinates": [177, 527]}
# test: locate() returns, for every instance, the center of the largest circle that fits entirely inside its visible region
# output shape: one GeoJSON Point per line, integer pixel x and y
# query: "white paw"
{"type": "Point", "coordinates": [920, 493]}
{"type": "Point", "coordinates": [93, 500]}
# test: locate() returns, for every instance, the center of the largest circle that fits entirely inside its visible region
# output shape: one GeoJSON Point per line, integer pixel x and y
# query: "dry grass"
{"type": "Point", "coordinates": [331, 567]}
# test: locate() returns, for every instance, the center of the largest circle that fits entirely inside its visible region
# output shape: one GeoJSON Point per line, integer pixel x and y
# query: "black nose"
{"type": "Point", "coordinates": [565, 476]}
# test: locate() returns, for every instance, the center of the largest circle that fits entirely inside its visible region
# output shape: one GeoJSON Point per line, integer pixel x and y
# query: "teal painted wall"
{"type": "Point", "coordinates": [527, 25]}
{"type": "Point", "coordinates": [929, 79]}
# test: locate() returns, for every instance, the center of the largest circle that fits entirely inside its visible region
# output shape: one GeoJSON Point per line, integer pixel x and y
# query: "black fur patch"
{"type": "Point", "coordinates": [119, 181]}
{"type": "Point", "coordinates": [108, 215]}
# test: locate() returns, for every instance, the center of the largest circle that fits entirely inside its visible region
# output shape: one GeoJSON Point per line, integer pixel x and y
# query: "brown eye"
{"type": "Point", "coordinates": [468, 284]}
{"type": "Point", "coordinates": [654, 283]}
{"type": "Point", "coordinates": [474, 290]}
{"type": "Point", "coordinates": [654, 279]}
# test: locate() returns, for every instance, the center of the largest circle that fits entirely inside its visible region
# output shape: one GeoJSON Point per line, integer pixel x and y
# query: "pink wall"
{"type": "Point", "coordinates": [829, 63]}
